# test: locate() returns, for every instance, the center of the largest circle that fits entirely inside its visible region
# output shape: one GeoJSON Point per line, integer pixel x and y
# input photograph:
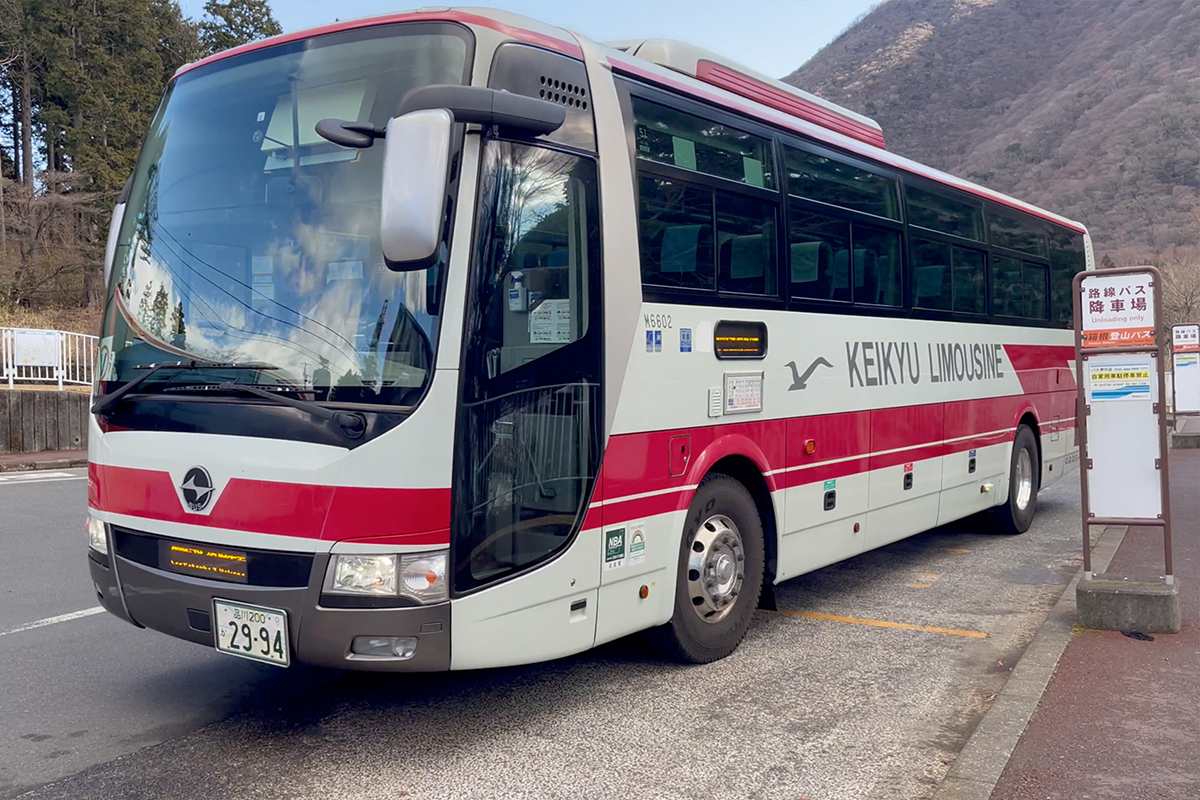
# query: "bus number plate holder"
{"type": "Point", "coordinates": [254, 632]}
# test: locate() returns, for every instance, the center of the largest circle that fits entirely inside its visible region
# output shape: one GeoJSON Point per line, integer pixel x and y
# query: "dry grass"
{"type": "Point", "coordinates": [76, 320]}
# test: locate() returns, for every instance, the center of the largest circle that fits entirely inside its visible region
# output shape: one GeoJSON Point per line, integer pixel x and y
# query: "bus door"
{"type": "Point", "coordinates": [528, 434]}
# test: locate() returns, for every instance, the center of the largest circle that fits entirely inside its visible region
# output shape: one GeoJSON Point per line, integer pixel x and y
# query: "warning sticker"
{"type": "Point", "coordinates": [1126, 381]}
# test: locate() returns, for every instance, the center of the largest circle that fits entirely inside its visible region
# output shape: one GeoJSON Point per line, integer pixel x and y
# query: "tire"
{"type": "Point", "coordinates": [712, 616]}
{"type": "Point", "coordinates": [1016, 515]}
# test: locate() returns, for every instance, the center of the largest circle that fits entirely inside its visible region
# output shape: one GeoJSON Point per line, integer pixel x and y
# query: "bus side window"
{"type": "Point", "coordinates": [818, 247]}
{"type": "Point", "coordinates": [1008, 292]}
{"type": "Point", "coordinates": [931, 274]}
{"type": "Point", "coordinates": [968, 281]}
{"type": "Point", "coordinates": [675, 234]}
{"type": "Point", "coordinates": [876, 266]}
{"type": "Point", "coordinates": [746, 231]}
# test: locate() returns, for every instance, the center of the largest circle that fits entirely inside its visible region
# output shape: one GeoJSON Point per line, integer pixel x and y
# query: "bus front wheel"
{"type": "Point", "coordinates": [720, 574]}
{"type": "Point", "coordinates": [1016, 515]}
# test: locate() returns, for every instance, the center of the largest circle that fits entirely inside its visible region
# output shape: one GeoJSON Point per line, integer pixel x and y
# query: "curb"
{"type": "Point", "coordinates": [983, 759]}
{"type": "Point", "coordinates": [58, 463]}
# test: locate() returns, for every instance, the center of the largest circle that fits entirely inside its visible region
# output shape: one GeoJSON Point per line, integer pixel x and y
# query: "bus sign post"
{"type": "Point", "coordinates": [1185, 356]}
{"type": "Point", "coordinates": [1123, 441]}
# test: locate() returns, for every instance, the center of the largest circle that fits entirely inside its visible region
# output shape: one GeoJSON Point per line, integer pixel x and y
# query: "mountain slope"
{"type": "Point", "coordinates": [1090, 108]}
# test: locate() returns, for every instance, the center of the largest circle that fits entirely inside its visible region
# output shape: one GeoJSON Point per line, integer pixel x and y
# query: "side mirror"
{"type": "Point", "coordinates": [417, 162]}
{"type": "Point", "coordinates": [114, 230]}
{"type": "Point", "coordinates": [413, 204]}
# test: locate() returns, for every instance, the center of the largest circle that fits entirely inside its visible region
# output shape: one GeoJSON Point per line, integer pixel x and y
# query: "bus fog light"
{"type": "Point", "coordinates": [401, 647]}
{"type": "Point", "coordinates": [97, 534]}
{"type": "Point", "coordinates": [423, 576]}
{"type": "Point", "coordinates": [372, 575]}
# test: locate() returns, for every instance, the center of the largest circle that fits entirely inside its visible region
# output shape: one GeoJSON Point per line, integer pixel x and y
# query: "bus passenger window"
{"type": "Point", "coordinates": [675, 234]}
{"type": "Point", "coordinates": [931, 274]}
{"type": "Point", "coordinates": [968, 281]}
{"type": "Point", "coordinates": [746, 244]}
{"type": "Point", "coordinates": [1034, 278]}
{"type": "Point", "coordinates": [1008, 292]}
{"type": "Point", "coordinates": [817, 248]}
{"type": "Point", "coordinates": [876, 266]}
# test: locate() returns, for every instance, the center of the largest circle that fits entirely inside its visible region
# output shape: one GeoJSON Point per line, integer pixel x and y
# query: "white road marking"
{"type": "Point", "coordinates": [39, 477]}
{"type": "Point", "coordinates": [41, 623]}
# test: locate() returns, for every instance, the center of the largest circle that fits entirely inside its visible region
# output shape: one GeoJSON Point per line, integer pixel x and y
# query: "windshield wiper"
{"type": "Point", "coordinates": [353, 425]}
{"type": "Point", "coordinates": [106, 403]}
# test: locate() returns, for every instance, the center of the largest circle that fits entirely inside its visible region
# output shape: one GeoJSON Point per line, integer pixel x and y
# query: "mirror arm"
{"type": "Point", "coordinates": [487, 107]}
{"type": "Point", "coordinates": [350, 134]}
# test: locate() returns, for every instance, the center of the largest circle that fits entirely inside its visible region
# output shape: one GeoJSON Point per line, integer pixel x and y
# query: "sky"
{"type": "Point", "coordinates": [771, 36]}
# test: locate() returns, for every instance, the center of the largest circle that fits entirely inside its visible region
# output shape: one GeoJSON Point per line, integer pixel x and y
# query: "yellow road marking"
{"type": "Point", "coordinates": [929, 576]}
{"type": "Point", "coordinates": [882, 623]}
{"type": "Point", "coordinates": [959, 550]}
{"type": "Point", "coordinates": [919, 585]}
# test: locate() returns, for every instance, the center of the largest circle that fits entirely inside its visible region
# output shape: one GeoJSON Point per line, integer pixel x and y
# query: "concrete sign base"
{"type": "Point", "coordinates": [1120, 603]}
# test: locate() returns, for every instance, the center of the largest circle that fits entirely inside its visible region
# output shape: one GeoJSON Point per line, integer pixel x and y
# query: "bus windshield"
{"type": "Point", "coordinates": [247, 237]}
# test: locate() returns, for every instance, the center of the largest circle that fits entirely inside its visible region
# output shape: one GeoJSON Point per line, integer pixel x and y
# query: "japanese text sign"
{"type": "Point", "coordinates": [1118, 310]}
{"type": "Point", "coordinates": [1185, 338]}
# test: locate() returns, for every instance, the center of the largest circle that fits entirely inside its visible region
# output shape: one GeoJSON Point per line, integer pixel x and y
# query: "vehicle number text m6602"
{"type": "Point", "coordinates": [657, 320]}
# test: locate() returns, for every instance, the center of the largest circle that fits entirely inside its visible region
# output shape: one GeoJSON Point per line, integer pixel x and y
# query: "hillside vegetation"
{"type": "Point", "coordinates": [1090, 108]}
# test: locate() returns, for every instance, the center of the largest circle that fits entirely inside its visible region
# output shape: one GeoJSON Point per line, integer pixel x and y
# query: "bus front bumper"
{"type": "Point", "coordinates": [181, 606]}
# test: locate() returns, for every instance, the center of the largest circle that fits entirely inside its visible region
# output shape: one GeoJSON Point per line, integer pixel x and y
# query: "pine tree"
{"type": "Point", "coordinates": [229, 23]}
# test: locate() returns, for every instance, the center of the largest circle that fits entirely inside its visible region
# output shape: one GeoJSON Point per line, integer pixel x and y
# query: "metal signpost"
{"type": "Point", "coordinates": [1185, 356]}
{"type": "Point", "coordinates": [1121, 408]}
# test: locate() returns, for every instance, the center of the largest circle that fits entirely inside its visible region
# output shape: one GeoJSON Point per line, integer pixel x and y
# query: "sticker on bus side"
{"type": "Point", "coordinates": [614, 548]}
{"type": "Point", "coordinates": [637, 543]}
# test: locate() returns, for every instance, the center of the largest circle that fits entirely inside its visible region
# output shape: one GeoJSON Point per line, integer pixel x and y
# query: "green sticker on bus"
{"type": "Point", "coordinates": [830, 484]}
{"type": "Point", "coordinates": [614, 545]}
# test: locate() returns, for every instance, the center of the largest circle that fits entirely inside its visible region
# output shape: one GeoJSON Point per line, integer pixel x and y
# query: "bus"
{"type": "Point", "coordinates": [450, 339]}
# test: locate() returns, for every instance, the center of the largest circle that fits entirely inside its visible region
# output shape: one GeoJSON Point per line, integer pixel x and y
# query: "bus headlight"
{"type": "Point", "coordinates": [420, 576]}
{"type": "Point", "coordinates": [374, 575]}
{"type": "Point", "coordinates": [97, 534]}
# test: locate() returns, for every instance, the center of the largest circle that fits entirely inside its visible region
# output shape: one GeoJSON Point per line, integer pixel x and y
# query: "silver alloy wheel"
{"type": "Point", "coordinates": [1024, 478]}
{"type": "Point", "coordinates": [716, 568]}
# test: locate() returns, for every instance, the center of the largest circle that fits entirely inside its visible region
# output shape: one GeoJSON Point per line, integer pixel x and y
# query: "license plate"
{"type": "Point", "coordinates": [252, 632]}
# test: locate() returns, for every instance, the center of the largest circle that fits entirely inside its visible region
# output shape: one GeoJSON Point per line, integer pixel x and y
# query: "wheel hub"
{"type": "Point", "coordinates": [716, 568]}
{"type": "Point", "coordinates": [1024, 479]}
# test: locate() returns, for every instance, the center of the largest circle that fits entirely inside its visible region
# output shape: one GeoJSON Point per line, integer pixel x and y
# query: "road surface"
{"type": "Point", "coordinates": [864, 684]}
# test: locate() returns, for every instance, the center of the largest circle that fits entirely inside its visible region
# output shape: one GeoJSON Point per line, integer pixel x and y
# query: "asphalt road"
{"type": "Point", "coordinates": [826, 698]}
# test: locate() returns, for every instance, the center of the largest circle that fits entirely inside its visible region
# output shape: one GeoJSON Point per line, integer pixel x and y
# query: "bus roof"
{"type": "Point", "coordinates": [706, 66]}
{"type": "Point", "coordinates": [692, 71]}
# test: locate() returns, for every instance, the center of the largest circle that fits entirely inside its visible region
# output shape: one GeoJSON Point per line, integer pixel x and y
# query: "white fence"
{"type": "Point", "coordinates": [36, 356]}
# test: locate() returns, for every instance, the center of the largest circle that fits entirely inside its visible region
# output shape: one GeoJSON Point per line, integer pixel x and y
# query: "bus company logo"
{"type": "Point", "coordinates": [197, 488]}
{"type": "Point", "coordinates": [800, 380]}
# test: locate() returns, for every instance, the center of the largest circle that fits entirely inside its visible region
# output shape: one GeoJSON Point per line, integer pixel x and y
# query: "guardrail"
{"type": "Point", "coordinates": [38, 356]}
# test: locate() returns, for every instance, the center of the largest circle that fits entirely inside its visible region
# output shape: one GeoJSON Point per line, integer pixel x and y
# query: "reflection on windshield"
{"type": "Point", "coordinates": [250, 238]}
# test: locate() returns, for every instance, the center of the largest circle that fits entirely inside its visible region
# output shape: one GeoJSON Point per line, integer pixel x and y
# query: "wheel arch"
{"type": "Point", "coordinates": [746, 472]}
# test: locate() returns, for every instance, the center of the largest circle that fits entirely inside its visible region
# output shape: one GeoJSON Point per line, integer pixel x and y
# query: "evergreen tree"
{"type": "Point", "coordinates": [229, 23]}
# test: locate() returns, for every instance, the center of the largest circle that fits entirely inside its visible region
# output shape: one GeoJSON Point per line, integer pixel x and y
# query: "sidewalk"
{"type": "Point", "coordinates": [1120, 719]}
{"type": "Point", "coordinates": [46, 459]}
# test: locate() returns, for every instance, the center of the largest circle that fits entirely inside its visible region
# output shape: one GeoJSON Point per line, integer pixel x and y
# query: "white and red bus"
{"type": "Point", "coordinates": [450, 339]}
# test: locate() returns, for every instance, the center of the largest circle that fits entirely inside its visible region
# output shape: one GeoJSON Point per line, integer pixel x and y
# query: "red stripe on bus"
{"type": "Point", "coordinates": [464, 17]}
{"type": "Point", "coordinates": [332, 513]}
{"type": "Point", "coordinates": [1042, 368]}
{"type": "Point", "coordinates": [754, 89]}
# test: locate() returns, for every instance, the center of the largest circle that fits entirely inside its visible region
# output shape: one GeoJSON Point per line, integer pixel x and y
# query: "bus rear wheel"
{"type": "Point", "coordinates": [1016, 515]}
{"type": "Point", "coordinates": [720, 574]}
